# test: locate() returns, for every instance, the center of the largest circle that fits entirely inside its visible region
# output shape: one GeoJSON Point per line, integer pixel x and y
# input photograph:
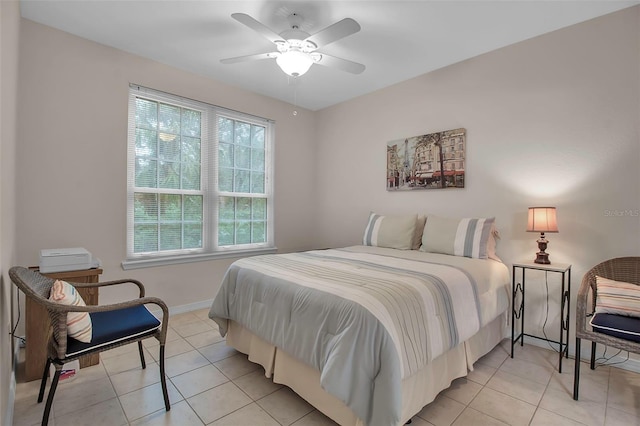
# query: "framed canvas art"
{"type": "Point", "coordinates": [431, 161]}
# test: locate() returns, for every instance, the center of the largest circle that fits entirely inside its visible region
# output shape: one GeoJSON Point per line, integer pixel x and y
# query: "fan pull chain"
{"type": "Point", "coordinates": [295, 96]}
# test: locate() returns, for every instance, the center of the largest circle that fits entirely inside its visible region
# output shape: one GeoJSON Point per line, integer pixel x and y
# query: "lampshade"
{"type": "Point", "coordinates": [294, 62]}
{"type": "Point", "coordinates": [542, 219]}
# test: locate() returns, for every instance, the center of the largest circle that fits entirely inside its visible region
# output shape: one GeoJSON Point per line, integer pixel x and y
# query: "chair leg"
{"type": "Point", "coordinates": [163, 380]}
{"type": "Point", "coordinates": [593, 355]}
{"type": "Point", "coordinates": [52, 391]}
{"type": "Point", "coordinates": [576, 375]}
{"type": "Point", "coordinates": [45, 376]}
{"type": "Point", "coordinates": [144, 364]}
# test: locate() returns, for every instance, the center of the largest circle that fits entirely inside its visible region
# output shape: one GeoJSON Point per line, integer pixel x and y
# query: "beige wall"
{"type": "Point", "coordinates": [553, 120]}
{"type": "Point", "coordinates": [72, 156]}
{"type": "Point", "coordinates": [550, 121]}
{"type": "Point", "coordinates": [9, 33]}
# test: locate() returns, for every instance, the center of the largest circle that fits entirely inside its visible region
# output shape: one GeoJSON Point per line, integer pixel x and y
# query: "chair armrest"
{"type": "Point", "coordinates": [165, 316]}
{"type": "Point", "coordinates": [109, 307]}
{"type": "Point", "coordinates": [108, 283]}
{"type": "Point", "coordinates": [582, 301]}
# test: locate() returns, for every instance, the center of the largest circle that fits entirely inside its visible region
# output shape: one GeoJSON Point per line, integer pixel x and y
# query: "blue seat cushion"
{"type": "Point", "coordinates": [620, 326]}
{"type": "Point", "coordinates": [113, 326]}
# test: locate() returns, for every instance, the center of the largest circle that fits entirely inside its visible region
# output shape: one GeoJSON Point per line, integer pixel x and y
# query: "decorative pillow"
{"type": "Point", "coordinates": [417, 234]}
{"type": "Point", "coordinates": [390, 231]}
{"type": "Point", "coordinates": [617, 297]}
{"type": "Point", "coordinates": [78, 323]}
{"type": "Point", "coordinates": [468, 237]}
{"type": "Point", "coordinates": [492, 243]}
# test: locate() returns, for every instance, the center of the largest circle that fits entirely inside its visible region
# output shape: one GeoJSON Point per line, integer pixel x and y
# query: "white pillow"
{"type": "Point", "coordinates": [78, 323]}
{"type": "Point", "coordinates": [468, 237]}
{"type": "Point", "coordinates": [617, 297]}
{"type": "Point", "coordinates": [492, 243]}
{"type": "Point", "coordinates": [390, 231]}
{"type": "Point", "coordinates": [417, 234]}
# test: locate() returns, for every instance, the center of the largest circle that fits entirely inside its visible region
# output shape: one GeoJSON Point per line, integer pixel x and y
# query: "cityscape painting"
{"type": "Point", "coordinates": [431, 161]}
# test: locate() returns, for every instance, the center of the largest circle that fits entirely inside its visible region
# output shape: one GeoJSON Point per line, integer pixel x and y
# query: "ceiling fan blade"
{"type": "Point", "coordinates": [334, 32]}
{"type": "Point", "coordinates": [265, 31]}
{"type": "Point", "coordinates": [343, 64]}
{"type": "Point", "coordinates": [247, 58]}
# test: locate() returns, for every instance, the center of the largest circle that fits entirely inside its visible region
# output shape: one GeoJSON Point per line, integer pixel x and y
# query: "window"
{"type": "Point", "coordinates": [199, 181]}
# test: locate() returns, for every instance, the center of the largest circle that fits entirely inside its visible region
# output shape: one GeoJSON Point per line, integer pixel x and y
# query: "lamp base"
{"type": "Point", "coordinates": [541, 256]}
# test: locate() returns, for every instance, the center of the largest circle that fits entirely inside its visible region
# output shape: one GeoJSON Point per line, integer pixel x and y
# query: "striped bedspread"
{"type": "Point", "coordinates": [365, 319]}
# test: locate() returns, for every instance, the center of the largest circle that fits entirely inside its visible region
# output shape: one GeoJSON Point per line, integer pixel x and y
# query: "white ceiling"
{"type": "Point", "coordinates": [398, 40]}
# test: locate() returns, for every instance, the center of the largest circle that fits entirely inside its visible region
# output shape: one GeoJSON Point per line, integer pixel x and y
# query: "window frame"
{"type": "Point", "coordinates": [208, 186]}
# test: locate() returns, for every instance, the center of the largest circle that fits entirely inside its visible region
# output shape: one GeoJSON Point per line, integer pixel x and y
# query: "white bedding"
{"type": "Point", "coordinates": [425, 304]}
{"type": "Point", "coordinates": [491, 277]}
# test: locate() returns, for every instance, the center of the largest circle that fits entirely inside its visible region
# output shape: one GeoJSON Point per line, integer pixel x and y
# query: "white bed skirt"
{"type": "Point", "coordinates": [417, 391]}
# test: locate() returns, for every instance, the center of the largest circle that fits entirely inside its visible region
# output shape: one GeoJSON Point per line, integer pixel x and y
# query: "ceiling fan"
{"type": "Point", "coordinates": [297, 50]}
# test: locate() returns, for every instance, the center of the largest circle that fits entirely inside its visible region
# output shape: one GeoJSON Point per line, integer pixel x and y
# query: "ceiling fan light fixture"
{"type": "Point", "coordinates": [297, 49]}
{"type": "Point", "coordinates": [294, 62]}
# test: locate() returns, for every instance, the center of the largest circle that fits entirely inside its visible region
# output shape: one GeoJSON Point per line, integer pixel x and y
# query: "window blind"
{"type": "Point", "coordinates": [199, 178]}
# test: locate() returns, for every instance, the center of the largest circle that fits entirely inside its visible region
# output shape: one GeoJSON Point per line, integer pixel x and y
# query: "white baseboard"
{"type": "Point", "coordinates": [190, 307]}
{"type": "Point", "coordinates": [620, 361]}
{"type": "Point", "coordinates": [174, 310]}
{"type": "Point", "coordinates": [11, 398]}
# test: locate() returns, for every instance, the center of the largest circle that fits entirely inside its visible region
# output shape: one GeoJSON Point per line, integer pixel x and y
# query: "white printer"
{"type": "Point", "coordinates": [66, 259]}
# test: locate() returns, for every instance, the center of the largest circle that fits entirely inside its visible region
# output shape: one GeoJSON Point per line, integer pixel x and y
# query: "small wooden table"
{"type": "Point", "coordinates": [38, 325]}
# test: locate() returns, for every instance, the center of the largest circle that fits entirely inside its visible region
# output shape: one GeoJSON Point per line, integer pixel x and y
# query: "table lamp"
{"type": "Point", "coordinates": [542, 219]}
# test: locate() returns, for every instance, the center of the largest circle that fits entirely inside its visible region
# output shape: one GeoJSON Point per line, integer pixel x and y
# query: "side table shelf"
{"type": "Point", "coordinates": [37, 322]}
{"type": "Point", "coordinates": [518, 291]}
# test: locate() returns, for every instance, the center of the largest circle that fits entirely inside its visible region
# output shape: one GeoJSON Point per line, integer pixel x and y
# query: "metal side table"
{"type": "Point", "coordinates": [518, 294]}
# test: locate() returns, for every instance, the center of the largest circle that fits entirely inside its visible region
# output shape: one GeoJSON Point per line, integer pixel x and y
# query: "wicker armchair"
{"type": "Point", "coordinates": [113, 325]}
{"type": "Point", "coordinates": [625, 269]}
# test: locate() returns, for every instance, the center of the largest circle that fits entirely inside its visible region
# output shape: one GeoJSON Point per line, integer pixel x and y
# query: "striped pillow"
{"type": "Point", "coordinates": [390, 231]}
{"type": "Point", "coordinates": [78, 323]}
{"type": "Point", "coordinates": [467, 237]}
{"type": "Point", "coordinates": [617, 297]}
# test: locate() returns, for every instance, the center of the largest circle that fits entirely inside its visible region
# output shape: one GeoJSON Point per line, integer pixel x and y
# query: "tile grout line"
{"type": "Point", "coordinates": [546, 388]}
{"type": "Point", "coordinates": [606, 405]}
{"type": "Point", "coordinates": [466, 406]}
{"type": "Point", "coordinates": [117, 396]}
{"type": "Point", "coordinates": [229, 380]}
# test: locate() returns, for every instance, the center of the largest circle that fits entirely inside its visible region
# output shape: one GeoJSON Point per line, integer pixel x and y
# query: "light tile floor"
{"type": "Point", "coordinates": [210, 383]}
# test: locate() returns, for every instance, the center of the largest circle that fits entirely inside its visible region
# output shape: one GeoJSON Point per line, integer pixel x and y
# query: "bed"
{"type": "Point", "coordinates": [367, 334]}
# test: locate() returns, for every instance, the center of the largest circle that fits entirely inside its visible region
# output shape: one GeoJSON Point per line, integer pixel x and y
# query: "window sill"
{"type": "Point", "coordinates": [188, 258]}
